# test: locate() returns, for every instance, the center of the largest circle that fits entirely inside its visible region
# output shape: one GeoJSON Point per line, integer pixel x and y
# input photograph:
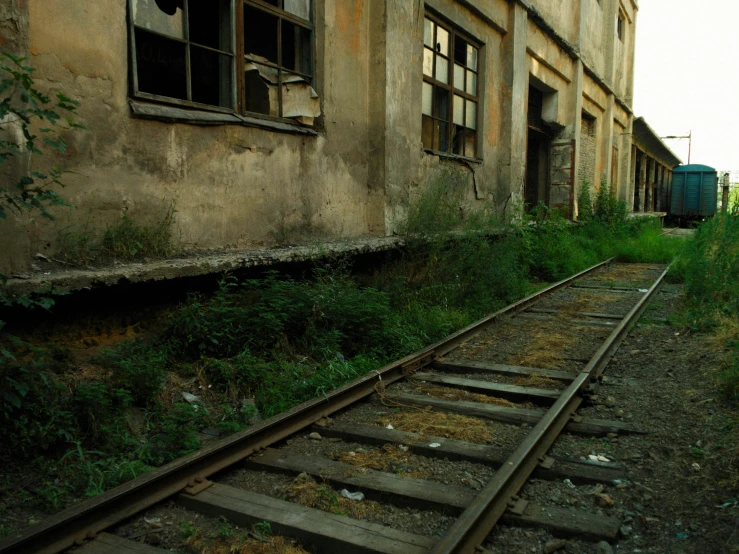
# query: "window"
{"type": "Point", "coordinates": [192, 52]}
{"type": "Point", "coordinates": [449, 100]}
{"type": "Point", "coordinates": [620, 25]}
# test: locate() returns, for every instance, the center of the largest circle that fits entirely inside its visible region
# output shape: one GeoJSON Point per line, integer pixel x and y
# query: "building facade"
{"type": "Point", "coordinates": [263, 121]}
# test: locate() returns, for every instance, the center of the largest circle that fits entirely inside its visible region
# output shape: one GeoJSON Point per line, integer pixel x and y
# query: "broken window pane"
{"type": "Point", "coordinates": [160, 16]}
{"type": "Point", "coordinates": [458, 117]}
{"type": "Point", "coordinates": [441, 103]}
{"type": "Point", "coordinates": [299, 100]}
{"type": "Point", "coordinates": [210, 23]}
{"type": "Point", "coordinates": [260, 34]}
{"type": "Point", "coordinates": [296, 48]}
{"type": "Point", "coordinates": [161, 65]}
{"type": "Point", "coordinates": [441, 136]}
{"type": "Point", "coordinates": [211, 77]}
{"type": "Point", "coordinates": [428, 62]}
{"type": "Point", "coordinates": [452, 96]}
{"type": "Point", "coordinates": [257, 81]}
{"type": "Point", "coordinates": [301, 8]}
{"type": "Point", "coordinates": [442, 70]}
{"type": "Point", "coordinates": [426, 102]}
{"type": "Point", "coordinates": [442, 41]}
{"type": "Point", "coordinates": [428, 33]}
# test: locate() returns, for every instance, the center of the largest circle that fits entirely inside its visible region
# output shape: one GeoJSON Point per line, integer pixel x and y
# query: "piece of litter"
{"type": "Point", "coordinates": [389, 427]}
{"type": "Point", "coordinates": [403, 447]}
{"type": "Point", "coordinates": [435, 445]}
{"type": "Point", "coordinates": [602, 458]}
{"type": "Point", "coordinates": [682, 536]}
{"type": "Point", "coordinates": [569, 483]}
{"type": "Point", "coordinates": [356, 496]}
{"type": "Point", "coordinates": [191, 398]}
{"type": "Point", "coordinates": [153, 520]}
{"type": "Point", "coordinates": [643, 290]}
{"type": "Point", "coordinates": [592, 458]}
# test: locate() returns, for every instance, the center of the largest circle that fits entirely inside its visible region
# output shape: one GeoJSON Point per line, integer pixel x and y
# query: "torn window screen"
{"type": "Point", "coordinates": [184, 58]}
{"type": "Point", "coordinates": [449, 99]}
{"type": "Point", "coordinates": [278, 70]}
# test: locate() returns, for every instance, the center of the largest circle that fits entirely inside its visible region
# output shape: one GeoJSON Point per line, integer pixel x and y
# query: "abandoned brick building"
{"type": "Point", "coordinates": [319, 119]}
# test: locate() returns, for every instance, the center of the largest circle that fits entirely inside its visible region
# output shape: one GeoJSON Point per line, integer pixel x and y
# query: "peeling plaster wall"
{"type": "Point", "coordinates": [230, 185]}
{"type": "Point", "coordinates": [235, 186]}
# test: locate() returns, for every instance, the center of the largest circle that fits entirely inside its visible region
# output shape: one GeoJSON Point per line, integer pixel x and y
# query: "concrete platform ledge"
{"type": "Point", "coordinates": [195, 266]}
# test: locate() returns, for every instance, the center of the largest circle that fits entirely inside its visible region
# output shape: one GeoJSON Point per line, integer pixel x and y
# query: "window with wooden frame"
{"type": "Point", "coordinates": [450, 90]}
{"type": "Point", "coordinates": [244, 56]}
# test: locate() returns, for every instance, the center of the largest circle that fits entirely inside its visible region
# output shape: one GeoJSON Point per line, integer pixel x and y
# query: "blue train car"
{"type": "Point", "coordinates": [694, 193]}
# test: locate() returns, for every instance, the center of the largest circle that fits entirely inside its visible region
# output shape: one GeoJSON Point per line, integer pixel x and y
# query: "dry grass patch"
{"type": "Point", "coordinates": [389, 458]}
{"type": "Point", "coordinates": [546, 348]}
{"type": "Point", "coordinates": [460, 395]}
{"type": "Point", "coordinates": [538, 382]}
{"type": "Point", "coordinates": [430, 423]}
{"type": "Point", "coordinates": [625, 273]}
{"type": "Point", "coordinates": [245, 543]}
{"type": "Point", "coordinates": [306, 491]}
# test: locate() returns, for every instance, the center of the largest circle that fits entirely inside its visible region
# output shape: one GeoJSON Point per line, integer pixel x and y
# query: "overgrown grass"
{"type": "Point", "coordinates": [268, 344]}
{"type": "Point", "coordinates": [127, 240]}
{"type": "Point", "coordinates": [709, 265]}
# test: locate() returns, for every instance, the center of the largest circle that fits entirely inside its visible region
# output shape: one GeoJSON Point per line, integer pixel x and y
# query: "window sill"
{"type": "Point", "coordinates": [454, 157]}
{"type": "Point", "coordinates": [172, 114]}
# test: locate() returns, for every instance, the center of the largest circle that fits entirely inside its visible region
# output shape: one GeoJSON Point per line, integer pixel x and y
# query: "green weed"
{"type": "Point", "coordinates": [127, 240]}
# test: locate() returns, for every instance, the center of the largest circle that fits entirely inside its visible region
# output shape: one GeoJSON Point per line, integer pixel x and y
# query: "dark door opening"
{"type": "Point", "coordinates": [537, 153]}
{"type": "Point", "coordinates": [537, 169]}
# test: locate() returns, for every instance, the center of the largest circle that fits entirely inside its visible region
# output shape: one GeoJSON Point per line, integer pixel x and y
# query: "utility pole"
{"type": "Point", "coordinates": [689, 136]}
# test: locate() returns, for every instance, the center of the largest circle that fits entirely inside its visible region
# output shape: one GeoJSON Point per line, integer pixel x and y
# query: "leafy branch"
{"type": "Point", "coordinates": [30, 120]}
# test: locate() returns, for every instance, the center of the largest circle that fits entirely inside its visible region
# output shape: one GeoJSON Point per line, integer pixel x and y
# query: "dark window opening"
{"type": "Point", "coordinates": [260, 34]}
{"type": "Point", "coordinates": [449, 100]}
{"type": "Point", "coordinates": [184, 51]}
{"type": "Point", "coordinates": [620, 26]}
{"type": "Point", "coordinates": [278, 56]}
{"type": "Point", "coordinates": [161, 65]}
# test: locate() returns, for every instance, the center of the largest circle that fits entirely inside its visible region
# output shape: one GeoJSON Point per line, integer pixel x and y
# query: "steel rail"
{"type": "Point", "coordinates": [82, 522]}
{"type": "Point", "coordinates": [469, 531]}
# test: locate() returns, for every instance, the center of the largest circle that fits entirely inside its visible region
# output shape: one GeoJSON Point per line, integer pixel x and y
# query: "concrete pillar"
{"type": "Point", "coordinates": [629, 188]}
{"type": "Point", "coordinates": [642, 183]}
{"type": "Point", "coordinates": [576, 90]}
{"type": "Point", "coordinates": [650, 185]}
{"type": "Point", "coordinates": [607, 140]}
{"type": "Point", "coordinates": [515, 82]}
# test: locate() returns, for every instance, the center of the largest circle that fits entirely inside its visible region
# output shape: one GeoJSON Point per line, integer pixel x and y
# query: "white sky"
{"type": "Point", "coordinates": [687, 53]}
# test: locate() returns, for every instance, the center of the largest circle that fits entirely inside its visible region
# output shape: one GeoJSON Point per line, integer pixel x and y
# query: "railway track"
{"type": "Point", "coordinates": [445, 438]}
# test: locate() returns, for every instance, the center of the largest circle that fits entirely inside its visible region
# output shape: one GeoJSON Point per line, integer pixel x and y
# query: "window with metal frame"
{"type": "Point", "coordinates": [450, 90]}
{"type": "Point", "coordinates": [278, 57]}
{"type": "Point", "coordinates": [248, 56]}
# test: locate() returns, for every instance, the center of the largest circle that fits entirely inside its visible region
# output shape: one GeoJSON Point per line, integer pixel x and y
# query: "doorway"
{"type": "Point", "coordinates": [537, 169]}
{"type": "Point", "coordinates": [537, 153]}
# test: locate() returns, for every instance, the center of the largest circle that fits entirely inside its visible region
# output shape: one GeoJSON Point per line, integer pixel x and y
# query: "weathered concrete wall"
{"type": "Point", "coordinates": [237, 186]}
{"type": "Point", "coordinates": [587, 152]}
{"type": "Point", "coordinates": [231, 185]}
